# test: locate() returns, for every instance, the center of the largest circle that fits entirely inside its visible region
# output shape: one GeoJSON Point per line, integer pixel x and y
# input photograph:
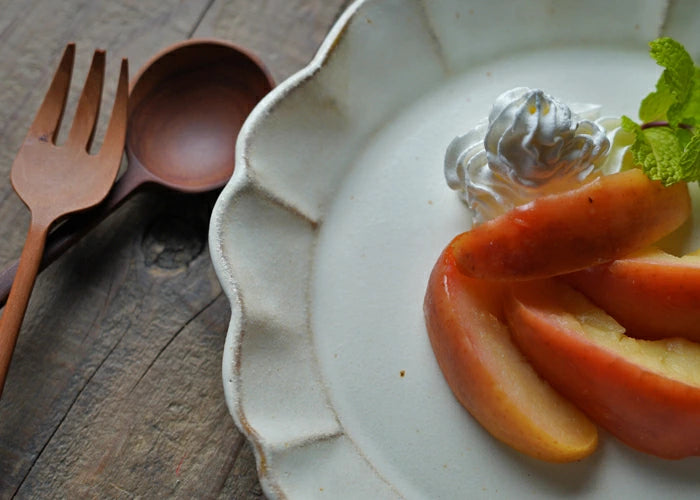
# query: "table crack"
{"type": "Point", "coordinates": [172, 338]}
{"type": "Point", "coordinates": [65, 415]}
{"type": "Point", "coordinates": [199, 20]}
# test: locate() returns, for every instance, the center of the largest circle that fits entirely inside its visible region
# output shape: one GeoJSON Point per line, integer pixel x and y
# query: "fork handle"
{"type": "Point", "coordinates": [16, 306]}
{"type": "Point", "coordinates": [60, 239]}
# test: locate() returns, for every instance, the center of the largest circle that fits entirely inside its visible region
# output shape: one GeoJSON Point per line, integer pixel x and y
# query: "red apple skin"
{"type": "Point", "coordinates": [605, 219]}
{"type": "Point", "coordinates": [653, 295]}
{"type": "Point", "coordinates": [652, 413]}
{"type": "Point", "coordinates": [489, 375]}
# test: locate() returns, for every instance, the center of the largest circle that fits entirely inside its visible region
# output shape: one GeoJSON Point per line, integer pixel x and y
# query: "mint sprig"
{"type": "Point", "coordinates": [667, 144]}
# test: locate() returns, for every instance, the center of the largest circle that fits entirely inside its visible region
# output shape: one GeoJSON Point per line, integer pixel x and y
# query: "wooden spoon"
{"type": "Point", "coordinates": [186, 107]}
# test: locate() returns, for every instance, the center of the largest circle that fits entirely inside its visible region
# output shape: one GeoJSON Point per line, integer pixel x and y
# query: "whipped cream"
{"type": "Point", "coordinates": [531, 145]}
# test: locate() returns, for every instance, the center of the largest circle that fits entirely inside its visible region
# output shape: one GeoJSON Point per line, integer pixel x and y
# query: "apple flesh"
{"type": "Point", "coordinates": [652, 294]}
{"type": "Point", "coordinates": [645, 392]}
{"type": "Point", "coordinates": [489, 375]}
{"type": "Point", "coordinates": [608, 218]}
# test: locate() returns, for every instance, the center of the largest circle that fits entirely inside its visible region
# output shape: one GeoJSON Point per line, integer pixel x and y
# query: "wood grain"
{"type": "Point", "coordinates": [115, 387]}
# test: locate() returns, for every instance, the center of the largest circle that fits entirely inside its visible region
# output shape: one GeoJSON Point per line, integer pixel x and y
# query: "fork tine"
{"type": "Point", "coordinates": [115, 136]}
{"type": "Point", "coordinates": [48, 118]}
{"type": "Point", "coordinates": [83, 129]}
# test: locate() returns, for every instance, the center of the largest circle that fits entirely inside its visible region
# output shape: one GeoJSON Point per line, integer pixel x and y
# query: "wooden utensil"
{"type": "Point", "coordinates": [186, 108]}
{"type": "Point", "coordinates": [54, 181]}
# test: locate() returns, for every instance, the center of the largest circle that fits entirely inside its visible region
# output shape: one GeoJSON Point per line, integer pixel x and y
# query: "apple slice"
{"type": "Point", "coordinates": [645, 392]}
{"type": "Point", "coordinates": [489, 375]}
{"type": "Point", "coordinates": [652, 294]}
{"type": "Point", "coordinates": [607, 218]}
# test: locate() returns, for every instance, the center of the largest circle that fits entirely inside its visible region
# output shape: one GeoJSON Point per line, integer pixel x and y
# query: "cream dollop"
{"type": "Point", "coordinates": [532, 144]}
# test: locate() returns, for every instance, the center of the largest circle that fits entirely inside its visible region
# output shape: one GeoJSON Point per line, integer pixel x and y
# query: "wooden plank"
{"type": "Point", "coordinates": [115, 388]}
{"type": "Point", "coordinates": [62, 342]}
{"type": "Point", "coordinates": [284, 34]}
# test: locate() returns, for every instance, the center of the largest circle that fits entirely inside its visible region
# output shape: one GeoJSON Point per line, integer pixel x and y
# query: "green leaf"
{"type": "Point", "coordinates": [669, 151]}
{"type": "Point", "coordinates": [642, 153]}
{"type": "Point", "coordinates": [691, 113]}
{"type": "Point", "coordinates": [664, 161]}
{"type": "Point", "coordinates": [657, 151]}
{"type": "Point", "coordinates": [630, 125]}
{"type": "Point", "coordinates": [675, 86]}
{"type": "Point", "coordinates": [655, 105]}
{"type": "Point", "coordinates": [671, 55]}
{"type": "Point", "coordinates": [689, 162]}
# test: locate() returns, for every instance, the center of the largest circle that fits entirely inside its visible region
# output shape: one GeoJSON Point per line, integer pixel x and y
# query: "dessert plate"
{"type": "Point", "coordinates": [324, 238]}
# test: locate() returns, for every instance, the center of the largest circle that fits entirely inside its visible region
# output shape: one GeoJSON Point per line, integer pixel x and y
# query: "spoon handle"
{"type": "Point", "coordinates": [73, 229]}
{"type": "Point", "coordinates": [13, 314]}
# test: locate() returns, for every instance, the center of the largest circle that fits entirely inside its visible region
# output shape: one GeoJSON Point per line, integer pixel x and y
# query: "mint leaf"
{"type": "Point", "coordinates": [642, 153]}
{"type": "Point", "coordinates": [675, 86]}
{"type": "Point", "coordinates": [630, 125]}
{"type": "Point", "coordinates": [665, 154]}
{"type": "Point", "coordinates": [689, 162]}
{"type": "Point", "coordinates": [667, 146]}
{"type": "Point", "coordinates": [691, 115]}
{"type": "Point", "coordinates": [664, 162]}
{"type": "Point", "coordinates": [655, 105]}
{"type": "Point", "coordinates": [658, 151]}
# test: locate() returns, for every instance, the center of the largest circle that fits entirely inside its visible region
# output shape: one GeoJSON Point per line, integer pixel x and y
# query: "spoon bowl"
{"type": "Point", "coordinates": [186, 108]}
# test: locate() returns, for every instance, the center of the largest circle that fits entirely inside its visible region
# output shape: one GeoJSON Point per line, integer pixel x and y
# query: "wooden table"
{"type": "Point", "coordinates": [115, 386]}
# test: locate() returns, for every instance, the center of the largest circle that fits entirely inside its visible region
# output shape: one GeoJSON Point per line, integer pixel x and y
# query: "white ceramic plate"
{"type": "Point", "coordinates": [325, 236]}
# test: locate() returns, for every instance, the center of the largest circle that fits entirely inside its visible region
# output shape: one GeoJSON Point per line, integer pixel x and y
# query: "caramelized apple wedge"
{"type": "Point", "coordinates": [652, 294]}
{"type": "Point", "coordinates": [647, 393]}
{"type": "Point", "coordinates": [489, 375]}
{"type": "Point", "coordinates": [605, 219]}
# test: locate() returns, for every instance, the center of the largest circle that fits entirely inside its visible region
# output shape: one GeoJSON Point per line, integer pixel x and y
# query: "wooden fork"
{"type": "Point", "coordinates": [54, 181]}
